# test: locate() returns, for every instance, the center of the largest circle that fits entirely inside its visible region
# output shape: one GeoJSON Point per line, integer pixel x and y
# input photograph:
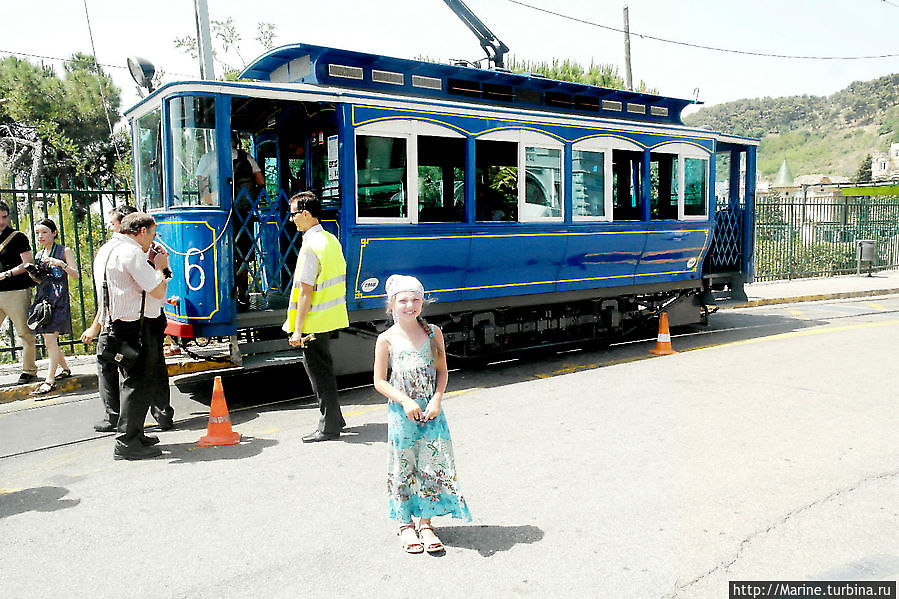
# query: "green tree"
{"type": "Point", "coordinates": [863, 174]}
{"type": "Point", "coordinates": [603, 75]}
{"type": "Point", "coordinates": [52, 126]}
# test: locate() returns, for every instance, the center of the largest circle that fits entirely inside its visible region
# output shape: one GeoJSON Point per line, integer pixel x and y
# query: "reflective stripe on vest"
{"type": "Point", "coordinates": [328, 309]}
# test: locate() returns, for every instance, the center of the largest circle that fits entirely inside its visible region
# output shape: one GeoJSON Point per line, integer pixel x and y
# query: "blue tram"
{"type": "Point", "coordinates": [534, 211]}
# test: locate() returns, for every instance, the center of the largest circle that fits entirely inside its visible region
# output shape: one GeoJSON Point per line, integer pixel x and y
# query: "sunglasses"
{"type": "Point", "coordinates": [292, 214]}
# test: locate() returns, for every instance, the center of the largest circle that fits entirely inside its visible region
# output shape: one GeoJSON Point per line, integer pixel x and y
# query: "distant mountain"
{"type": "Point", "coordinates": [816, 134]}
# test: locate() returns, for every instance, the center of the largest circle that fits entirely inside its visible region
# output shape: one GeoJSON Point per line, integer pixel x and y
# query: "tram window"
{"type": "Point", "coordinates": [441, 179]}
{"type": "Point", "coordinates": [543, 182]}
{"type": "Point", "coordinates": [626, 185]}
{"type": "Point", "coordinates": [695, 186]}
{"type": "Point", "coordinates": [267, 157]}
{"type": "Point", "coordinates": [149, 161]}
{"type": "Point", "coordinates": [381, 176]}
{"type": "Point", "coordinates": [663, 189]}
{"type": "Point", "coordinates": [296, 175]}
{"type": "Point", "coordinates": [588, 174]}
{"type": "Point", "coordinates": [496, 180]}
{"type": "Point", "coordinates": [195, 180]}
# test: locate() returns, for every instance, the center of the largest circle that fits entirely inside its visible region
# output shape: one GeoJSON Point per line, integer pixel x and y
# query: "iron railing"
{"type": "Point", "coordinates": [817, 236]}
{"type": "Point", "coordinates": [78, 209]}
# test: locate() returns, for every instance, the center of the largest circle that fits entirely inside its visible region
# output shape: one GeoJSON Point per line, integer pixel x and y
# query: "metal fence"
{"type": "Point", "coordinates": [78, 209]}
{"type": "Point", "coordinates": [818, 236]}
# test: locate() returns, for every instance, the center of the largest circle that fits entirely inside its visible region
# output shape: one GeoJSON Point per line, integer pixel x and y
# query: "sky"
{"type": "Point", "coordinates": [413, 28]}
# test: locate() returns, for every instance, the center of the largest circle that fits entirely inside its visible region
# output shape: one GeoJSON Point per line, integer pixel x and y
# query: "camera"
{"type": "Point", "coordinates": [37, 271]}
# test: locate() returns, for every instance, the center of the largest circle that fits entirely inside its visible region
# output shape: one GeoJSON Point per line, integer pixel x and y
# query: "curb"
{"type": "Point", "coordinates": [76, 382]}
{"type": "Point", "coordinates": [810, 298]}
{"type": "Point", "coordinates": [84, 382]}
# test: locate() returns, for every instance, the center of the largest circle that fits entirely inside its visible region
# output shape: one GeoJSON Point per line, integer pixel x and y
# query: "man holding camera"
{"type": "Point", "coordinates": [136, 292]}
{"type": "Point", "coordinates": [15, 290]}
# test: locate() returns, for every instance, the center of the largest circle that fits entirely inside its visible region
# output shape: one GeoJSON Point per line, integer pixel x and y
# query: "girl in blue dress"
{"type": "Point", "coordinates": [421, 476]}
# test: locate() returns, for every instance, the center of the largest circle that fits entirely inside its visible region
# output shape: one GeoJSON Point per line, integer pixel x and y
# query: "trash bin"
{"type": "Point", "coordinates": [866, 251]}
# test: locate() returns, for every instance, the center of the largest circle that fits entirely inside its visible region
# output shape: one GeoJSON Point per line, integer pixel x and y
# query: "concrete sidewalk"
{"type": "Point", "coordinates": [84, 376]}
{"type": "Point", "coordinates": [822, 288]}
{"type": "Point", "coordinates": [84, 368]}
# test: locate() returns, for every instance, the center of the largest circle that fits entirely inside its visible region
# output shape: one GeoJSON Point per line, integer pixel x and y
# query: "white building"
{"type": "Point", "coordinates": [885, 165]}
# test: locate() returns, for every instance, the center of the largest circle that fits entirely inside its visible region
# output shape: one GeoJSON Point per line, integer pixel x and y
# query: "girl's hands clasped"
{"type": "Point", "coordinates": [432, 411]}
{"type": "Point", "coordinates": [413, 410]}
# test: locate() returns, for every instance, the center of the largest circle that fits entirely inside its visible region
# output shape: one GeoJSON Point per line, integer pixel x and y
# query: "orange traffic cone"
{"type": "Point", "coordinates": [219, 431]}
{"type": "Point", "coordinates": [663, 345]}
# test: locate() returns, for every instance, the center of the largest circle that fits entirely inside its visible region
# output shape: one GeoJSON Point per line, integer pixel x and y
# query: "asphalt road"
{"type": "Point", "coordinates": [767, 451]}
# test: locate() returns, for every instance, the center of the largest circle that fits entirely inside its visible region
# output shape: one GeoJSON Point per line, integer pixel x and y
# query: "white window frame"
{"type": "Point", "coordinates": [532, 139]}
{"type": "Point", "coordinates": [608, 144]}
{"type": "Point", "coordinates": [604, 146]}
{"type": "Point", "coordinates": [683, 151]}
{"type": "Point", "coordinates": [408, 129]}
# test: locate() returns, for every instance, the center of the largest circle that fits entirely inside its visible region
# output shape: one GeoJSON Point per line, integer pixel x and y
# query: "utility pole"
{"type": "Point", "coordinates": [204, 40]}
{"type": "Point", "coordinates": [628, 76]}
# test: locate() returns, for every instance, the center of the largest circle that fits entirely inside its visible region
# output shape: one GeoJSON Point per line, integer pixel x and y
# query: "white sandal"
{"type": "Point", "coordinates": [433, 547]}
{"type": "Point", "coordinates": [415, 546]}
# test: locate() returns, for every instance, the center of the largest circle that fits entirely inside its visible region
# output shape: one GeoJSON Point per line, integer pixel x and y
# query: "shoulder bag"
{"type": "Point", "coordinates": [116, 349]}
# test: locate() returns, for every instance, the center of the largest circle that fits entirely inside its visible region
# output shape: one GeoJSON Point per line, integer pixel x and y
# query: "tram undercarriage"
{"type": "Point", "coordinates": [475, 331]}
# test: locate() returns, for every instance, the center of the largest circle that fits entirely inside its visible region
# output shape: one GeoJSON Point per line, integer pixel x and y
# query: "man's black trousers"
{"type": "Point", "coordinates": [143, 383]}
{"type": "Point", "coordinates": [320, 368]}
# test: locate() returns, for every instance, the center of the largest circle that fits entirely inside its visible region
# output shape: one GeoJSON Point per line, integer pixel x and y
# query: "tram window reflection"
{"type": "Point", "coordinates": [195, 180]}
{"type": "Point", "coordinates": [149, 161]}
{"type": "Point", "coordinates": [543, 182]}
{"type": "Point", "coordinates": [497, 180]}
{"type": "Point", "coordinates": [663, 188]}
{"type": "Point", "coordinates": [441, 179]}
{"type": "Point", "coordinates": [588, 176]}
{"type": "Point", "coordinates": [381, 176]}
{"type": "Point", "coordinates": [695, 186]}
{"type": "Point", "coordinates": [626, 185]}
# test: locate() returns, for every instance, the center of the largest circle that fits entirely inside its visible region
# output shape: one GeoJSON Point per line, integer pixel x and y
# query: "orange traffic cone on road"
{"type": "Point", "coordinates": [219, 430]}
{"type": "Point", "coordinates": [663, 344]}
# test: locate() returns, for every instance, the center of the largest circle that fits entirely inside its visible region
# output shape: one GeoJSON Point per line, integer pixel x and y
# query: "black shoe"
{"type": "Point", "coordinates": [148, 440]}
{"type": "Point", "coordinates": [105, 426]}
{"type": "Point", "coordinates": [320, 436]}
{"type": "Point", "coordinates": [26, 378]}
{"type": "Point", "coordinates": [135, 451]}
{"type": "Point", "coordinates": [165, 418]}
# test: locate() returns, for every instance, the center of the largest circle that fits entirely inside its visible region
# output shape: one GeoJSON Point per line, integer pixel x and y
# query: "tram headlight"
{"type": "Point", "coordinates": [142, 71]}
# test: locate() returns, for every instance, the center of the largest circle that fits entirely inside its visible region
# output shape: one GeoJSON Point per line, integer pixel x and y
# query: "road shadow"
{"type": "Point", "coordinates": [191, 453]}
{"type": "Point", "coordinates": [367, 434]}
{"type": "Point", "coordinates": [35, 499]}
{"type": "Point", "coordinates": [286, 387]}
{"type": "Point", "coordinates": [729, 327]}
{"type": "Point", "coordinates": [489, 540]}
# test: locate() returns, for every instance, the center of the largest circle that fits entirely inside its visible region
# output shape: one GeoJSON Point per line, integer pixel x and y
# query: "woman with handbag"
{"type": "Point", "coordinates": [53, 266]}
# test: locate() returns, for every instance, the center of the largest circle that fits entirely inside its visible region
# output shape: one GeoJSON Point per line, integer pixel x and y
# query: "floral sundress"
{"type": "Point", "coordinates": [421, 471]}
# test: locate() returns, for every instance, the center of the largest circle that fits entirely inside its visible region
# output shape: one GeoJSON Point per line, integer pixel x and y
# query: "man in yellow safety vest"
{"type": "Point", "coordinates": [317, 307]}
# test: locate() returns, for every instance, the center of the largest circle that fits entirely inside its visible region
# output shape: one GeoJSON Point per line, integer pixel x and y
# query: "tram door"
{"type": "Point", "coordinates": [292, 149]}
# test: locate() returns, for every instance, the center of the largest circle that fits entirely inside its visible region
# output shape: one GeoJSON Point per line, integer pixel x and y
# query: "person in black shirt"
{"type": "Point", "coordinates": [15, 290]}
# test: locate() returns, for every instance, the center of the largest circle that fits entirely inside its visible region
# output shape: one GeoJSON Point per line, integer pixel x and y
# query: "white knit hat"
{"type": "Point", "coordinates": [400, 283]}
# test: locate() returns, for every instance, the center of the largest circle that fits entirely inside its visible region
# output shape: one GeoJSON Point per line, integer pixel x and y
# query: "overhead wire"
{"type": "Point", "coordinates": [100, 83]}
{"type": "Point", "coordinates": [700, 46]}
{"type": "Point", "coordinates": [68, 60]}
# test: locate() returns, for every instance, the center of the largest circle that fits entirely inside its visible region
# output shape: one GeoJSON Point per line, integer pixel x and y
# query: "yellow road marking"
{"type": "Point", "coordinates": [805, 333]}
{"type": "Point", "coordinates": [874, 305]}
{"type": "Point", "coordinates": [795, 312]}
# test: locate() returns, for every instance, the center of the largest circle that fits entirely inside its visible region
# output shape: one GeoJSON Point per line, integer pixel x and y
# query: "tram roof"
{"type": "Point", "coordinates": [305, 63]}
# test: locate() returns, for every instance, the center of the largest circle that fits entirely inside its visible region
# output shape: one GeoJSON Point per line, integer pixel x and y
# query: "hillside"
{"type": "Point", "coordinates": [816, 134]}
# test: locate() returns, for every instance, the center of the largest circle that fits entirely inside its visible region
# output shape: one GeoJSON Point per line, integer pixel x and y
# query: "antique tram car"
{"type": "Point", "coordinates": [534, 211]}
